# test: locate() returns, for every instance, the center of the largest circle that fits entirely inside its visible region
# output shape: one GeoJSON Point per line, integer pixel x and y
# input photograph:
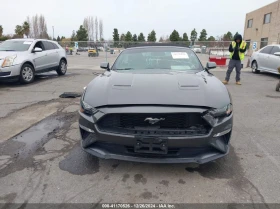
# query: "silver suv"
{"type": "Point", "coordinates": [21, 59]}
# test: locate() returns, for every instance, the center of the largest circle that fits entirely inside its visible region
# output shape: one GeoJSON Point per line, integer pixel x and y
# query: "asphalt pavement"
{"type": "Point", "coordinates": [41, 160]}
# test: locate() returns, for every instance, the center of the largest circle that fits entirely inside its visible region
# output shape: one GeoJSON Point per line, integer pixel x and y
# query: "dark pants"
{"type": "Point", "coordinates": [234, 64]}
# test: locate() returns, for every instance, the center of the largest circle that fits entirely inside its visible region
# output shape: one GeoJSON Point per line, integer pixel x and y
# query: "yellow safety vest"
{"type": "Point", "coordinates": [242, 46]}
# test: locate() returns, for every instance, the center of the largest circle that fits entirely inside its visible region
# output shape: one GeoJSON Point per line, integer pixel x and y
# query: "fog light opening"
{"type": "Point", "coordinates": [222, 133]}
{"type": "Point", "coordinates": [87, 129]}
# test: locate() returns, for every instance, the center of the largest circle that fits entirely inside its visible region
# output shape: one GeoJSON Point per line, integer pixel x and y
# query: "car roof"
{"type": "Point", "coordinates": [273, 45]}
{"type": "Point", "coordinates": [29, 39]}
{"type": "Point", "coordinates": [145, 47]}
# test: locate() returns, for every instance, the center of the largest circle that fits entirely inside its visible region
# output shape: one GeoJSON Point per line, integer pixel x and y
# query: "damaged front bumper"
{"type": "Point", "coordinates": [179, 149]}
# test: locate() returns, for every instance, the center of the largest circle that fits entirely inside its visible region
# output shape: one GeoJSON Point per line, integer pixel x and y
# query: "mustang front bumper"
{"type": "Point", "coordinates": [179, 149]}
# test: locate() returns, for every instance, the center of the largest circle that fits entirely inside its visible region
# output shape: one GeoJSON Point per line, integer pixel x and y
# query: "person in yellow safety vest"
{"type": "Point", "coordinates": [237, 51]}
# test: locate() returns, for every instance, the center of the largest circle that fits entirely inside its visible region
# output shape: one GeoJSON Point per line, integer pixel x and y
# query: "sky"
{"type": "Point", "coordinates": [216, 16]}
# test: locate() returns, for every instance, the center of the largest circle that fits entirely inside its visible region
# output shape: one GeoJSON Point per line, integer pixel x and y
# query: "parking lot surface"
{"type": "Point", "coordinates": [41, 160]}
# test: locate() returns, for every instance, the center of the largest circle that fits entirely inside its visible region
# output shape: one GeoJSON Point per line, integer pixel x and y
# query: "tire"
{"type": "Point", "coordinates": [62, 68]}
{"type": "Point", "coordinates": [255, 67]}
{"type": "Point", "coordinates": [27, 74]}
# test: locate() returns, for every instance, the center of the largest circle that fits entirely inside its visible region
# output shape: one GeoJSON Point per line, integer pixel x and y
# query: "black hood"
{"type": "Point", "coordinates": [200, 89]}
{"type": "Point", "coordinates": [238, 37]}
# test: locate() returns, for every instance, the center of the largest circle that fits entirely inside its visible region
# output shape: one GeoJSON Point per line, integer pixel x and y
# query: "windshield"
{"type": "Point", "coordinates": [15, 45]}
{"type": "Point", "coordinates": [161, 58]}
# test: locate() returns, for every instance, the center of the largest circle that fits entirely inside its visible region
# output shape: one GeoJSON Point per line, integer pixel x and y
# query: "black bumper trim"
{"type": "Point", "coordinates": [9, 78]}
{"type": "Point", "coordinates": [200, 159]}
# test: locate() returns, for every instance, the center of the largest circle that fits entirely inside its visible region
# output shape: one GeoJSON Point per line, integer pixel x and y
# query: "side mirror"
{"type": "Point", "coordinates": [211, 65]}
{"type": "Point", "coordinates": [277, 54]}
{"type": "Point", "coordinates": [37, 49]}
{"type": "Point", "coordinates": [105, 65]}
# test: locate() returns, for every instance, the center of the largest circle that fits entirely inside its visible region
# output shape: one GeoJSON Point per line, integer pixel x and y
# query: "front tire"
{"type": "Point", "coordinates": [27, 74]}
{"type": "Point", "coordinates": [255, 67]}
{"type": "Point", "coordinates": [62, 68]}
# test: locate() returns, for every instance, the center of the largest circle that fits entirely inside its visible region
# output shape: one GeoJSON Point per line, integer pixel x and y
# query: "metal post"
{"type": "Point", "coordinates": [53, 33]}
{"type": "Point", "coordinates": [106, 51]}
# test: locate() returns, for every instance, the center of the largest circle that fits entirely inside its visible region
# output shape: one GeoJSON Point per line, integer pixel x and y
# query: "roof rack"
{"type": "Point", "coordinates": [133, 45]}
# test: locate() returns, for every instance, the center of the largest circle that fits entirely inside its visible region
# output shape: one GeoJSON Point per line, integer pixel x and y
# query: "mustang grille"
{"type": "Point", "coordinates": [164, 124]}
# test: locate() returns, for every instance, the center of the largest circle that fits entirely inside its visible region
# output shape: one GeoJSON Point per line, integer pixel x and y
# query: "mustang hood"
{"type": "Point", "coordinates": [114, 88]}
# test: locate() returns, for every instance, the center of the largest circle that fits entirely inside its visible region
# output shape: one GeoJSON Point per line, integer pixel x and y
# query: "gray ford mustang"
{"type": "Point", "coordinates": [156, 104]}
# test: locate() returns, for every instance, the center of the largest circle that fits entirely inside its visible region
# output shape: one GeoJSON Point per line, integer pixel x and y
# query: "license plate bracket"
{"type": "Point", "coordinates": [151, 146]}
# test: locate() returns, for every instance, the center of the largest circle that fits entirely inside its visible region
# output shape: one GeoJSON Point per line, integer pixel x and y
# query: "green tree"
{"type": "Point", "coordinates": [128, 36]}
{"type": "Point", "coordinates": [62, 37]}
{"type": "Point", "coordinates": [203, 35]}
{"type": "Point", "coordinates": [141, 37]}
{"type": "Point", "coordinates": [26, 28]}
{"type": "Point", "coordinates": [193, 36]}
{"type": "Point", "coordinates": [122, 37]}
{"type": "Point", "coordinates": [58, 38]}
{"type": "Point", "coordinates": [82, 34]}
{"type": "Point", "coordinates": [228, 36]}
{"type": "Point", "coordinates": [73, 36]}
{"type": "Point", "coordinates": [211, 38]}
{"type": "Point", "coordinates": [185, 37]}
{"type": "Point", "coordinates": [19, 31]}
{"type": "Point", "coordinates": [152, 36]}
{"type": "Point", "coordinates": [1, 31]}
{"type": "Point", "coordinates": [174, 36]}
{"type": "Point", "coordinates": [116, 36]}
{"type": "Point", "coordinates": [134, 38]}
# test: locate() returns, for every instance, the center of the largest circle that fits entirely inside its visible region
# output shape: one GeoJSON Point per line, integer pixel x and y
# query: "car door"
{"type": "Point", "coordinates": [274, 62]}
{"type": "Point", "coordinates": [57, 57]}
{"type": "Point", "coordinates": [39, 58]}
{"type": "Point", "coordinates": [264, 57]}
{"type": "Point", "coordinates": [51, 54]}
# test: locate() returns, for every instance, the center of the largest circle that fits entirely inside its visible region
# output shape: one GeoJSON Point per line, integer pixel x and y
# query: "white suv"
{"type": "Point", "coordinates": [21, 59]}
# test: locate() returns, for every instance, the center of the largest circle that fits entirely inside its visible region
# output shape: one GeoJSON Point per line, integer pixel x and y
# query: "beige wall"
{"type": "Point", "coordinates": [260, 30]}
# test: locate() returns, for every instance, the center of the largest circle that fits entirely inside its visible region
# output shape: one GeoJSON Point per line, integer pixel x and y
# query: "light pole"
{"type": "Point", "coordinates": [53, 33]}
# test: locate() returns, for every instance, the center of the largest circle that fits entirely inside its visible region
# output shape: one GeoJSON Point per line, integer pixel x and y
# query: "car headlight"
{"type": "Point", "coordinates": [85, 107]}
{"type": "Point", "coordinates": [9, 61]}
{"type": "Point", "coordinates": [212, 115]}
{"type": "Point", "coordinates": [222, 112]}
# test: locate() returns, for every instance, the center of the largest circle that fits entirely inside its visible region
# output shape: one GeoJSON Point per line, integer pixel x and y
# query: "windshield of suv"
{"type": "Point", "coordinates": [15, 45]}
{"type": "Point", "coordinates": [161, 58]}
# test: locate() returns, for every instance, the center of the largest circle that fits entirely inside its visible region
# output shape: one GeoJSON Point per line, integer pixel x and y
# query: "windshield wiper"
{"type": "Point", "coordinates": [8, 50]}
{"type": "Point", "coordinates": [125, 69]}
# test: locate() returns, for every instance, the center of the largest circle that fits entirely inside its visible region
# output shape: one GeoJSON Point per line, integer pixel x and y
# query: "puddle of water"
{"type": "Point", "coordinates": [36, 136]}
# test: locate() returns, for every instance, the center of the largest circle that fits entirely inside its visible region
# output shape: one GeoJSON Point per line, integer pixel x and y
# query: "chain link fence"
{"type": "Point", "coordinates": [219, 48]}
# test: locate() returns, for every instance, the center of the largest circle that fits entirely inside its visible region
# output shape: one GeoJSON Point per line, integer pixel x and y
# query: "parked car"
{"type": "Point", "coordinates": [266, 59]}
{"type": "Point", "coordinates": [197, 50]}
{"type": "Point", "coordinates": [82, 49]}
{"type": "Point", "coordinates": [164, 107]}
{"type": "Point", "coordinates": [93, 53]}
{"type": "Point", "coordinates": [112, 51]}
{"type": "Point", "coordinates": [22, 59]}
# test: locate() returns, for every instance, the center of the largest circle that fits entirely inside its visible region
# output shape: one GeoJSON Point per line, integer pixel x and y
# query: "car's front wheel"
{"type": "Point", "coordinates": [62, 68]}
{"type": "Point", "coordinates": [27, 74]}
{"type": "Point", "coordinates": [255, 67]}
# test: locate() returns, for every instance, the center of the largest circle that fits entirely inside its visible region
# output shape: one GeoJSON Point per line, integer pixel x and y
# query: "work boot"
{"type": "Point", "coordinates": [225, 82]}
{"type": "Point", "coordinates": [238, 83]}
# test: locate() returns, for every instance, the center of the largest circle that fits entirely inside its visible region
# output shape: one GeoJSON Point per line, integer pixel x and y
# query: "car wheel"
{"type": "Point", "coordinates": [27, 74]}
{"type": "Point", "coordinates": [255, 67]}
{"type": "Point", "coordinates": [62, 68]}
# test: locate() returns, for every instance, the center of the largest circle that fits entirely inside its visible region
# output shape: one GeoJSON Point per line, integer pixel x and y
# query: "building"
{"type": "Point", "coordinates": [263, 25]}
